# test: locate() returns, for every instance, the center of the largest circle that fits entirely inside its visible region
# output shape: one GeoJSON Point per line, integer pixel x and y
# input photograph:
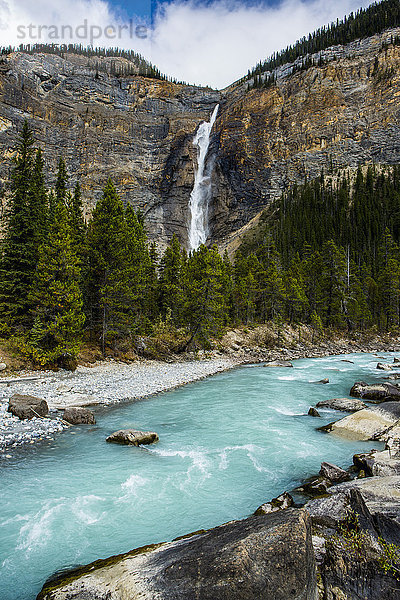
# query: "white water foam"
{"type": "Point", "coordinates": [201, 193]}
{"type": "Point", "coordinates": [38, 531]}
{"type": "Point", "coordinates": [132, 486]}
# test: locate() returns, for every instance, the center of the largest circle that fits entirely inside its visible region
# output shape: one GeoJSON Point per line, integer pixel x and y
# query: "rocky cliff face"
{"type": "Point", "coordinates": [346, 112]}
{"type": "Point", "coordinates": [139, 131]}
{"type": "Point", "coordinates": [136, 130]}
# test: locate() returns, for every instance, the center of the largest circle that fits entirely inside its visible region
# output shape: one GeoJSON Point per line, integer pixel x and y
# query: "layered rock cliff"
{"type": "Point", "coordinates": [136, 130]}
{"type": "Point", "coordinates": [139, 131]}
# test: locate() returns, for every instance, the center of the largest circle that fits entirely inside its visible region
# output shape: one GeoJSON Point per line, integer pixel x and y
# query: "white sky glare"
{"type": "Point", "coordinates": [212, 44]}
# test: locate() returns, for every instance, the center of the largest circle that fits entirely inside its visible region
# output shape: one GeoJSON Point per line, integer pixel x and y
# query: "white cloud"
{"type": "Point", "coordinates": [87, 21]}
{"type": "Point", "coordinates": [213, 44]}
{"type": "Point", "coordinates": [216, 44]}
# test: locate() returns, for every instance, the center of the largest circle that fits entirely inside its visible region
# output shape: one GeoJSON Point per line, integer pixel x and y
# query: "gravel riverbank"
{"type": "Point", "coordinates": [111, 381]}
{"type": "Point", "coordinates": [104, 383]}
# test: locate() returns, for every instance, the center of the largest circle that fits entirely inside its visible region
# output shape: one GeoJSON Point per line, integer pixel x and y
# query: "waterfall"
{"type": "Point", "coordinates": [201, 193]}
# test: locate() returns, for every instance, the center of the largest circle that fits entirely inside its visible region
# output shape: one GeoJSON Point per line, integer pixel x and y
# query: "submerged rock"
{"type": "Point", "coordinates": [384, 367]}
{"type": "Point", "coordinates": [266, 557]}
{"type": "Point", "coordinates": [27, 407]}
{"type": "Point", "coordinates": [79, 416]}
{"type": "Point", "coordinates": [132, 437]}
{"type": "Point", "coordinates": [375, 391]}
{"type": "Point", "coordinates": [344, 404]}
{"type": "Point", "coordinates": [278, 363]}
{"type": "Point", "coordinates": [321, 381]}
{"type": "Point", "coordinates": [312, 412]}
{"type": "Point", "coordinates": [282, 502]}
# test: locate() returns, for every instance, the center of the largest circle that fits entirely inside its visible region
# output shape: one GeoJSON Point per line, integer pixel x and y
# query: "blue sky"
{"type": "Point", "coordinates": [212, 42]}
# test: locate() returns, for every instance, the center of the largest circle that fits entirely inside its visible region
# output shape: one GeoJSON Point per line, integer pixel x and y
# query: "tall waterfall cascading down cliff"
{"type": "Point", "coordinates": [201, 193]}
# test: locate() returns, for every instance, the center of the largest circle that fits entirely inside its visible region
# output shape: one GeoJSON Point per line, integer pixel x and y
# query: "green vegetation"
{"type": "Point", "coordinates": [330, 250]}
{"type": "Point", "coordinates": [326, 254]}
{"type": "Point", "coordinates": [364, 23]}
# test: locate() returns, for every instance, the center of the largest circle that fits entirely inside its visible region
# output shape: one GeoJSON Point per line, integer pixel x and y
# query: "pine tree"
{"type": "Point", "coordinates": [205, 309]}
{"type": "Point", "coordinates": [25, 224]}
{"type": "Point", "coordinates": [57, 330]}
{"type": "Point", "coordinates": [108, 284]}
{"type": "Point", "coordinates": [62, 181]}
{"type": "Point", "coordinates": [77, 221]}
{"type": "Point", "coordinates": [171, 275]}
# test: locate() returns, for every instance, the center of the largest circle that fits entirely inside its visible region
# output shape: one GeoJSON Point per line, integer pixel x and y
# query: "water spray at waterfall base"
{"type": "Point", "coordinates": [202, 190]}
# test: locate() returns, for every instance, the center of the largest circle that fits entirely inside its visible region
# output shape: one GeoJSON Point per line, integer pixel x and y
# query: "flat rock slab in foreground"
{"type": "Point", "coordinates": [27, 407]}
{"type": "Point", "coordinates": [260, 558]}
{"type": "Point", "coordinates": [132, 437]}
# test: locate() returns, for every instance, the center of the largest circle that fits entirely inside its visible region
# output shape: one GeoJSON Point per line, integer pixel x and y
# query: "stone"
{"type": "Point", "coordinates": [79, 416]}
{"type": "Point", "coordinates": [334, 473]}
{"type": "Point", "coordinates": [312, 412]}
{"type": "Point", "coordinates": [345, 360]}
{"type": "Point", "coordinates": [348, 573]}
{"type": "Point", "coordinates": [380, 494]}
{"type": "Point", "coordinates": [27, 407]}
{"type": "Point", "coordinates": [321, 381]}
{"type": "Point", "coordinates": [282, 502]}
{"type": "Point", "coordinates": [375, 391]}
{"type": "Point", "coordinates": [279, 363]}
{"type": "Point", "coordinates": [384, 367]}
{"type": "Point", "coordinates": [132, 437]}
{"type": "Point", "coordinates": [377, 463]}
{"type": "Point", "coordinates": [315, 487]}
{"type": "Point", "coordinates": [267, 557]}
{"type": "Point", "coordinates": [369, 423]}
{"type": "Point", "coordinates": [396, 360]}
{"type": "Point", "coordinates": [3, 366]}
{"type": "Point", "coordinates": [343, 404]}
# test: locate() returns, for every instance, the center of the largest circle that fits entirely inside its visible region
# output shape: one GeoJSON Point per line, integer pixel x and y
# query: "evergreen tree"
{"type": "Point", "coordinates": [108, 285]}
{"type": "Point", "coordinates": [55, 294]}
{"type": "Point", "coordinates": [205, 309]}
{"type": "Point", "coordinates": [25, 229]}
{"type": "Point", "coordinates": [62, 181]}
{"type": "Point", "coordinates": [171, 281]}
{"type": "Point", "coordinates": [77, 221]}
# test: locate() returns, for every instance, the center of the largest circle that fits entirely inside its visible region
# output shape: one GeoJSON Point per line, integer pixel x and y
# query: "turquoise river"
{"type": "Point", "coordinates": [227, 444]}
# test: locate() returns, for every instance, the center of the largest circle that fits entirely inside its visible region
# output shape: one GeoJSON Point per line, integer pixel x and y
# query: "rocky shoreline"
{"type": "Point", "coordinates": [343, 543]}
{"type": "Point", "coordinates": [109, 382]}
{"type": "Point", "coordinates": [104, 383]}
{"type": "Point", "coordinates": [323, 553]}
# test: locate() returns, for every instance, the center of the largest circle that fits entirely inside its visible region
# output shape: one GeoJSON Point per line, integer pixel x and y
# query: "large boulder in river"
{"type": "Point", "coordinates": [266, 557]}
{"type": "Point", "coordinates": [343, 404]}
{"type": "Point", "coordinates": [375, 391]}
{"type": "Point", "coordinates": [367, 424]}
{"type": "Point", "coordinates": [383, 367]}
{"type": "Point", "coordinates": [27, 407]}
{"type": "Point", "coordinates": [132, 437]}
{"type": "Point", "coordinates": [79, 416]}
{"type": "Point", "coordinates": [279, 363]}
